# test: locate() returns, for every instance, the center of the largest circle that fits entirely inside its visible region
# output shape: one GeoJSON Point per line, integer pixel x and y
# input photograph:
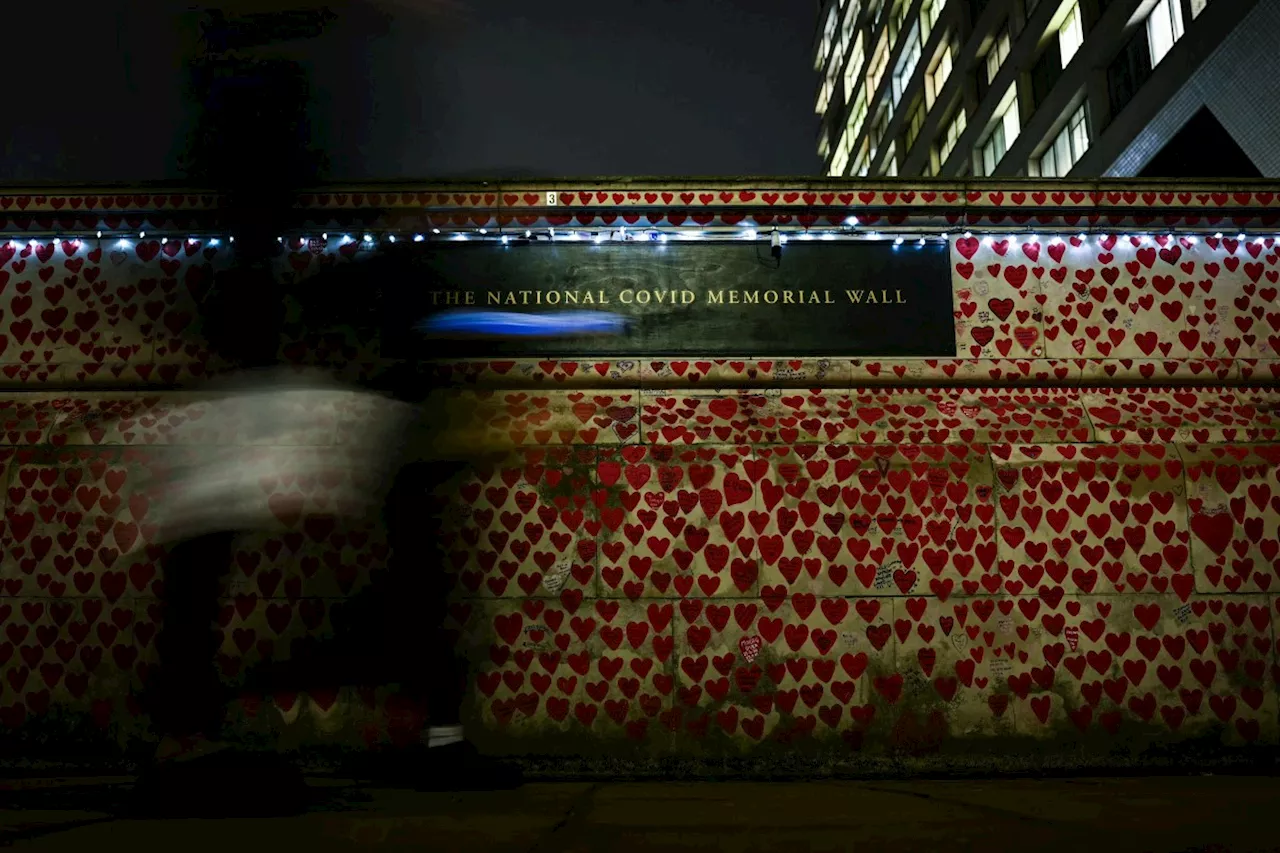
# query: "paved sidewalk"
{"type": "Point", "coordinates": [1086, 814]}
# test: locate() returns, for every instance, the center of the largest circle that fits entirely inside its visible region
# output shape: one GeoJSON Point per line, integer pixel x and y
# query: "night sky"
{"type": "Point", "coordinates": [495, 88]}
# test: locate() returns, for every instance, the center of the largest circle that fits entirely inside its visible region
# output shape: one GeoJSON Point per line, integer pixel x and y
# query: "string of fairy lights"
{"type": "Point", "coordinates": [852, 230]}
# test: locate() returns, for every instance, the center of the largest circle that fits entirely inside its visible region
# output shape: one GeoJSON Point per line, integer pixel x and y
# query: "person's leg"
{"type": "Point", "coordinates": [447, 678]}
{"type": "Point", "coordinates": [194, 774]}
{"type": "Point", "coordinates": [186, 697]}
{"type": "Point", "coordinates": [427, 666]}
{"type": "Point", "coordinates": [430, 667]}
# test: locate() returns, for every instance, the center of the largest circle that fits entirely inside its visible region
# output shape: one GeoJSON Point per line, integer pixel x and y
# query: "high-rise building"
{"type": "Point", "coordinates": [1049, 88]}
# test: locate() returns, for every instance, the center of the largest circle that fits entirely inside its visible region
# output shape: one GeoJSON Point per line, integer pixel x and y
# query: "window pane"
{"type": "Point", "coordinates": [838, 164]}
{"type": "Point", "coordinates": [851, 16]}
{"type": "Point", "coordinates": [853, 68]}
{"type": "Point", "coordinates": [996, 56]}
{"type": "Point", "coordinates": [939, 75]}
{"type": "Point", "coordinates": [1010, 121]}
{"type": "Point", "coordinates": [875, 70]}
{"type": "Point", "coordinates": [917, 122]}
{"type": "Point", "coordinates": [1048, 168]}
{"type": "Point", "coordinates": [1010, 124]}
{"type": "Point", "coordinates": [1062, 153]}
{"type": "Point", "coordinates": [1079, 141]}
{"type": "Point", "coordinates": [954, 128]}
{"type": "Point", "coordinates": [1078, 131]}
{"type": "Point", "coordinates": [1070, 35]}
{"type": "Point", "coordinates": [1160, 31]}
{"type": "Point", "coordinates": [858, 115]}
{"type": "Point", "coordinates": [828, 33]}
{"type": "Point", "coordinates": [906, 64]}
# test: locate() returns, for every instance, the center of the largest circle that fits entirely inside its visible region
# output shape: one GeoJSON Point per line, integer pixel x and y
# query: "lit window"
{"type": "Point", "coordinates": [875, 70]}
{"type": "Point", "coordinates": [992, 151]}
{"type": "Point", "coordinates": [899, 15]}
{"type": "Point", "coordinates": [824, 144]}
{"type": "Point", "coordinates": [916, 123]}
{"type": "Point", "coordinates": [1197, 6]}
{"type": "Point", "coordinates": [857, 117]}
{"type": "Point", "coordinates": [1010, 120]}
{"type": "Point", "coordinates": [838, 164]}
{"type": "Point", "coordinates": [864, 160]}
{"type": "Point", "coordinates": [824, 96]}
{"type": "Point", "coordinates": [938, 76]}
{"type": "Point", "coordinates": [853, 68]}
{"type": "Point", "coordinates": [840, 161]}
{"type": "Point", "coordinates": [1071, 34]}
{"type": "Point", "coordinates": [891, 161]}
{"type": "Point", "coordinates": [1164, 27]}
{"type": "Point", "coordinates": [877, 130]}
{"type": "Point", "coordinates": [1008, 125]}
{"type": "Point", "coordinates": [833, 79]}
{"type": "Point", "coordinates": [997, 54]}
{"type": "Point", "coordinates": [954, 128]}
{"type": "Point", "coordinates": [841, 158]}
{"type": "Point", "coordinates": [1067, 148]}
{"type": "Point", "coordinates": [851, 12]}
{"type": "Point", "coordinates": [929, 16]}
{"type": "Point", "coordinates": [828, 37]}
{"type": "Point", "coordinates": [906, 64]}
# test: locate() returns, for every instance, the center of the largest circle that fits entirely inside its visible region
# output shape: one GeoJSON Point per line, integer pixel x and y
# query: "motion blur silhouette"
{"type": "Point", "coordinates": [253, 146]}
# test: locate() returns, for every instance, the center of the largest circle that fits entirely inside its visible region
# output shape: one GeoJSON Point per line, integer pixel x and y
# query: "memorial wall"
{"type": "Point", "coordinates": [969, 476]}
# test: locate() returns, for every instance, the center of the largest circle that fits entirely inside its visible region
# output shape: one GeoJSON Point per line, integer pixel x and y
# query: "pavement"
{"type": "Point", "coordinates": [1171, 813]}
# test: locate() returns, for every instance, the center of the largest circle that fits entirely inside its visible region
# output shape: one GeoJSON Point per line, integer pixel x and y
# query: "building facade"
{"type": "Point", "coordinates": [1047, 88]}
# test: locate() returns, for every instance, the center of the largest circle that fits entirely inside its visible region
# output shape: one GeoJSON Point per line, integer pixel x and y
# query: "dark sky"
{"type": "Point", "coordinates": [498, 88]}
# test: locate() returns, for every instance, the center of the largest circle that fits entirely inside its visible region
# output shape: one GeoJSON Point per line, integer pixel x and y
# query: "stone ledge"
{"type": "Point", "coordinates": [695, 373]}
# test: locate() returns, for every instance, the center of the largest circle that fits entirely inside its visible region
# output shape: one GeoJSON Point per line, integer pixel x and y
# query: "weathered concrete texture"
{"type": "Point", "coordinates": [1155, 814]}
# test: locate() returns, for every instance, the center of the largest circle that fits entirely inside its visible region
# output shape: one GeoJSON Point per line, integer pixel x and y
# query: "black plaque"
{"type": "Point", "coordinates": [854, 299]}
